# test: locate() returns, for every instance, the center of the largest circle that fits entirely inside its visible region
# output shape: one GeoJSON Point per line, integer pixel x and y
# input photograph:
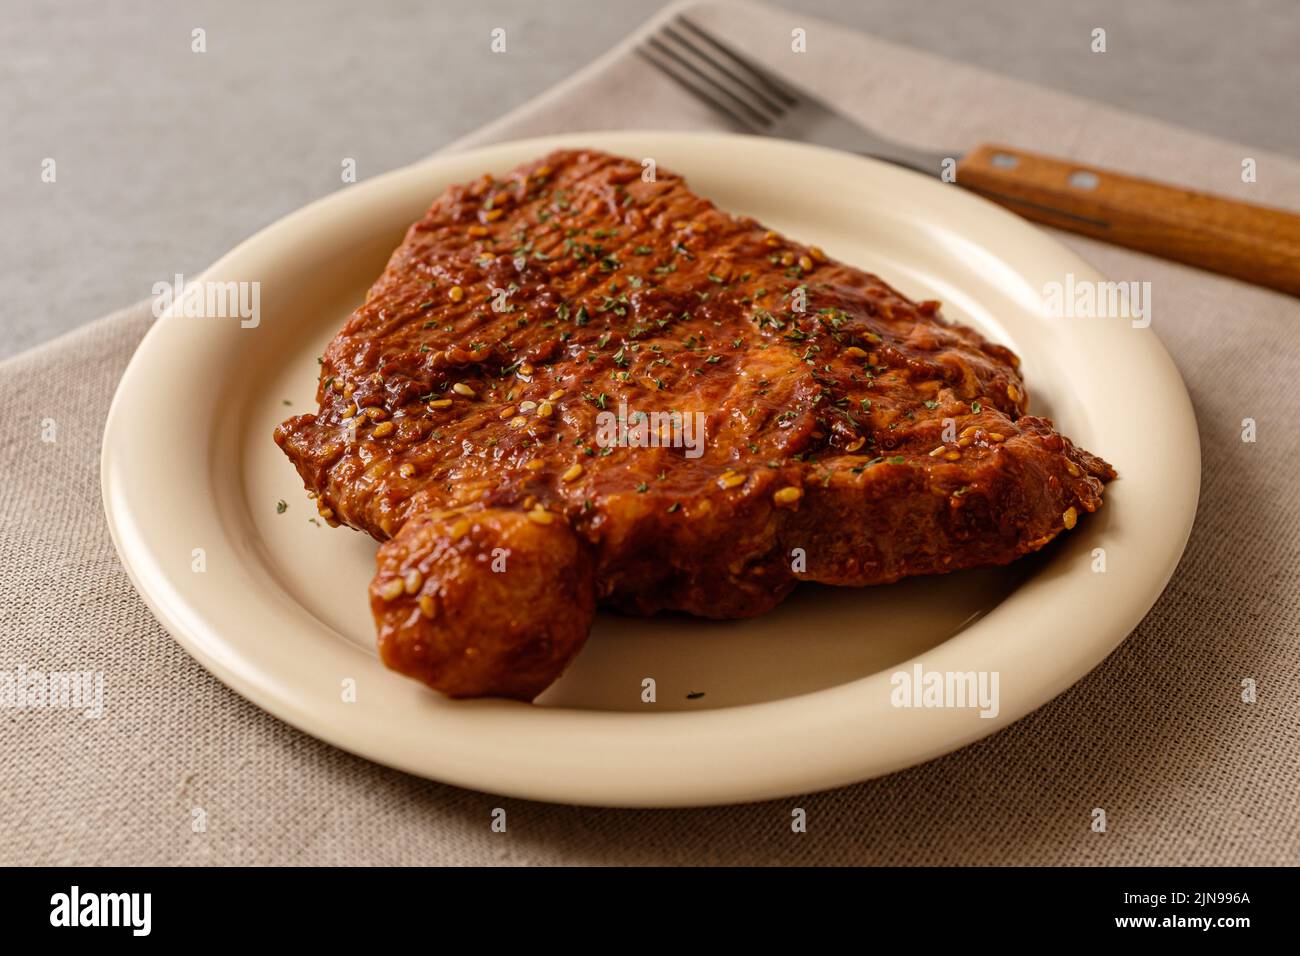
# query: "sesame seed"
{"type": "Point", "coordinates": [1013, 393]}
{"type": "Point", "coordinates": [460, 388]}
{"type": "Point", "coordinates": [526, 407]}
{"type": "Point", "coordinates": [1074, 470]}
{"type": "Point", "coordinates": [854, 352]}
{"type": "Point", "coordinates": [557, 394]}
{"type": "Point", "coordinates": [459, 529]}
{"type": "Point", "coordinates": [1070, 518]}
{"type": "Point", "coordinates": [428, 606]}
{"type": "Point", "coordinates": [391, 589]}
{"type": "Point", "coordinates": [805, 263]}
{"type": "Point", "coordinates": [731, 480]}
{"type": "Point", "coordinates": [412, 580]}
{"type": "Point", "coordinates": [572, 473]}
{"type": "Point", "coordinates": [535, 465]}
{"type": "Point", "coordinates": [407, 470]}
{"type": "Point", "coordinates": [518, 421]}
{"type": "Point", "coordinates": [539, 516]}
{"type": "Point", "coordinates": [506, 412]}
{"type": "Point", "coordinates": [952, 456]}
{"type": "Point", "coordinates": [383, 430]}
{"type": "Point", "coordinates": [455, 293]}
{"type": "Point", "coordinates": [546, 409]}
{"type": "Point", "coordinates": [788, 495]}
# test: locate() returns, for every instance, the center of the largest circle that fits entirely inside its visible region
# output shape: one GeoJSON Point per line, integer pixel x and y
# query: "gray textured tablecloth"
{"type": "Point", "coordinates": [1158, 736]}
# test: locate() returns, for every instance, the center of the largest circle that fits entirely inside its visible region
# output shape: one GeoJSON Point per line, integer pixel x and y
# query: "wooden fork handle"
{"type": "Point", "coordinates": [1254, 243]}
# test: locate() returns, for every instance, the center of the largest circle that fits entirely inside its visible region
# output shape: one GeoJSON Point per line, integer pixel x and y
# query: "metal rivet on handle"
{"type": "Point", "coordinates": [1004, 160]}
{"type": "Point", "coordinates": [1082, 179]}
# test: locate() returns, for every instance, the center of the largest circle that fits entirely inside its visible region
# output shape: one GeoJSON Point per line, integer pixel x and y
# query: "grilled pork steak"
{"type": "Point", "coordinates": [571, 387]}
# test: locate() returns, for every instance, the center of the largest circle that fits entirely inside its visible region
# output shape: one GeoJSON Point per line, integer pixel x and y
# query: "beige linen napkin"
{"type": "Point", "coordinates": [181, 770]}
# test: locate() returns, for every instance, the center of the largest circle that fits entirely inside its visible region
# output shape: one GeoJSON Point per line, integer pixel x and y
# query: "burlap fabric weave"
{"type": "Point", "coordinates": [1158, 735]}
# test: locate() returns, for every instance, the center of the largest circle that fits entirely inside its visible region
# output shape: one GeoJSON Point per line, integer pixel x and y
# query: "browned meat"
{"type": "Point", "coordinates": [466, 421]}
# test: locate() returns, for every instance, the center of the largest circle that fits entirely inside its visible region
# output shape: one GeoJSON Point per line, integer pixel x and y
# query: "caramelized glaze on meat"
{"type": "Point", "coordinates": [461, 408]}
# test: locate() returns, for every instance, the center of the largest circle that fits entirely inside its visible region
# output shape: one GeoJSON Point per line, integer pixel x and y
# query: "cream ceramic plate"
{"type": "Point", "coordinates": [275, 605]}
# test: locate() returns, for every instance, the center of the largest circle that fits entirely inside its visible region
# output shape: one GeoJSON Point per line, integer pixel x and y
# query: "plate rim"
{"type": "Point", "coordinates": [723, 723]}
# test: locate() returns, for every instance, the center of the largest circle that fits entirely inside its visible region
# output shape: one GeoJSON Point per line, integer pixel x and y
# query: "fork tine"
{"type": "Point", "coordinates": [698, 92]}
{"type": "Point", "coordinates": [703, 86]}
{"type": "Point", "coordinates": [787, 95]}
{"type": "Point", "coordinates": [768, 102]}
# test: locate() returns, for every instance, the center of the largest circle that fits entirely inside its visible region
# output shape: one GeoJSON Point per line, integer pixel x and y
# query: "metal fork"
{"type": "Point", "coordinates": [759, 102]}
{"type": "Point", "coordinates": [1255, 243]}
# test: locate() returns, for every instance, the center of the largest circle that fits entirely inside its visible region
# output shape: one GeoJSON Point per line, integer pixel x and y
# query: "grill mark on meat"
{"type": "Point", "coordinates": [475, 426]}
